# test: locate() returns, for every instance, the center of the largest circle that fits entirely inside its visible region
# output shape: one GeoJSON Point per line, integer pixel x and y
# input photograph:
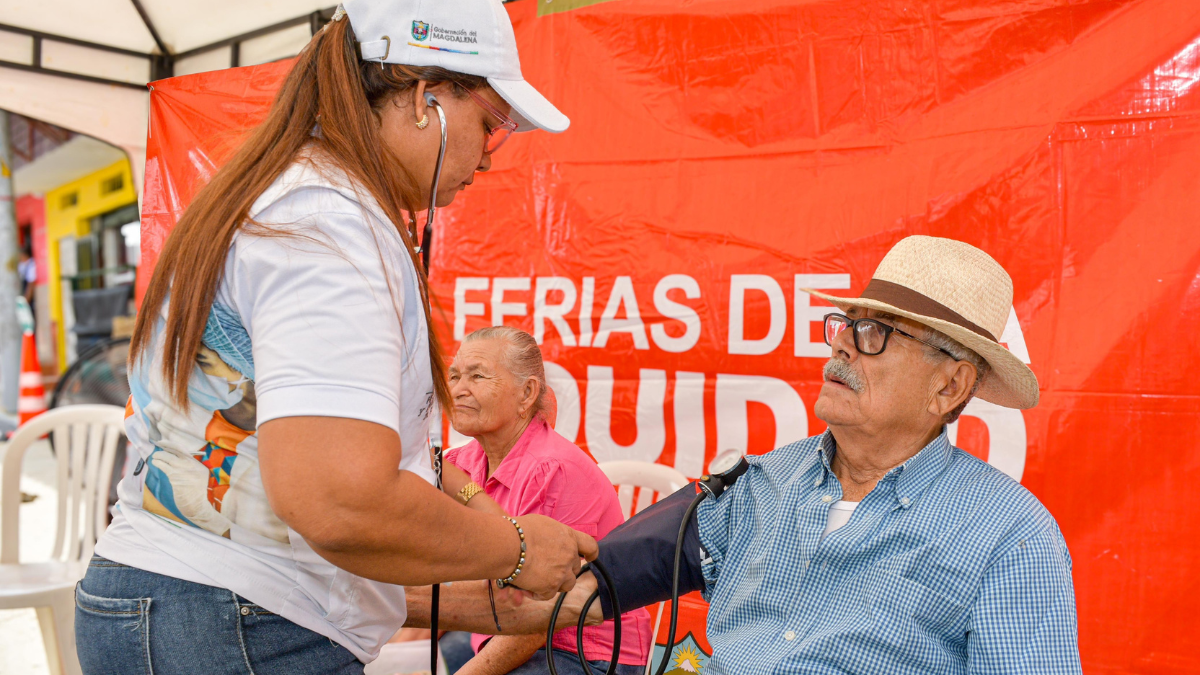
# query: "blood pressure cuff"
{"type": "Point", "coordinates": [640, 555]}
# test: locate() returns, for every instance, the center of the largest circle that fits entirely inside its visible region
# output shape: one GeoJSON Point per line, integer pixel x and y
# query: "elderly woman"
{"type": "Point", "coordinates": [498, 388]}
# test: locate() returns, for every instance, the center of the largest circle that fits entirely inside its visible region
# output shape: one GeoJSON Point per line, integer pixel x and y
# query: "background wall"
{"type": "Point", "coordinates": [725, 154]}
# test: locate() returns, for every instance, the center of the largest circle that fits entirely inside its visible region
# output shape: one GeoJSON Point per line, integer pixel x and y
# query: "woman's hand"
{"type": "Point", "coordinates": [552, 557]}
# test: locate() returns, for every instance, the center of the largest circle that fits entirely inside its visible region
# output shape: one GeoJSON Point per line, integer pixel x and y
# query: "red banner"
{"type": "Point", "coordinates": [725, 154]}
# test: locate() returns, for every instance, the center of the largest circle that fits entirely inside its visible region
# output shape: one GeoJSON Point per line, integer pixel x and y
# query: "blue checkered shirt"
{"type": "Point", "coordinates": [947, 566]}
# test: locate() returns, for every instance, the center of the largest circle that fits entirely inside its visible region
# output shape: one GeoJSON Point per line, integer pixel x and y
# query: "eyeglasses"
{"type": "Point", "coordinates": [870, 336]}
{"type": "Point", "coordinates": [499, 133]}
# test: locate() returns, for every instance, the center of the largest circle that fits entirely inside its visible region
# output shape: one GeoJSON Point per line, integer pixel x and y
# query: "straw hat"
{"type": "Point", "coordinates": [958, 290]}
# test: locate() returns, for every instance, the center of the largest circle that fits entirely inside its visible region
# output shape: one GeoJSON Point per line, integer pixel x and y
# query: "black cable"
{"type": "Point", "coordinates": [616, 604]}
{"type": "Point", "coordinates": [687, 515]}
{"type": "Point", "coordinates": [587, 667]}
{"type": "Point", "coordinates": [433, 627]}
{"type": "Point", "coordinates": [435, 596]}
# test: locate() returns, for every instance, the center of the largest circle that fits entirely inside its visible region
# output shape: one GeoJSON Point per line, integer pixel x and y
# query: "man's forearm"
{"type": "Point", "coordinates": [464, 605]}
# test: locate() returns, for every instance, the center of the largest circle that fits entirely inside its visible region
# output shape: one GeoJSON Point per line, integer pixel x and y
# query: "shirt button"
{"type": "Point", "coordinates": [904, 501]}
{"type": "Point", "coordinates": [826, 499]}
{"type": "Point", "coordinates": [817, 482]}
{"type": "Point", "coordinates": [789, 636]}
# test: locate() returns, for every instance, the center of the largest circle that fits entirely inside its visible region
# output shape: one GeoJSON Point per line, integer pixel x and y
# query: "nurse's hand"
{"type": "Point", "coordinates": [552, 556]}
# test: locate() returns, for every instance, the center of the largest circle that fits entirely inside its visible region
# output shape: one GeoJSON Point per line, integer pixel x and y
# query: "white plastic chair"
{"type": "Point", "coordinates": [85, 441]}
{"type": "Point", "coordinates": [640, 484]}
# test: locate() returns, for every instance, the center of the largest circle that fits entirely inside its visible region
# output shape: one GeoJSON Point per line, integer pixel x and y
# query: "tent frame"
{"type": "Point", "coordinates": [162, 63]}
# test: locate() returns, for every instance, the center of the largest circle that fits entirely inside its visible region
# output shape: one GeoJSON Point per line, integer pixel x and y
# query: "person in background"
{"type": "Point", "coordinates": [27, 270]}
{"type": "Point", "coordinates": [499, 393]}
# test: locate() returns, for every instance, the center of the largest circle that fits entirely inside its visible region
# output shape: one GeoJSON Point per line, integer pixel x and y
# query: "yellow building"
{"type": "Point", "coordinates": [82, 211]}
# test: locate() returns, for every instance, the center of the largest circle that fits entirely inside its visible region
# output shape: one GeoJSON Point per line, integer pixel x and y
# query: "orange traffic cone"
{"type": "Point", "coordinates": [33, 395]}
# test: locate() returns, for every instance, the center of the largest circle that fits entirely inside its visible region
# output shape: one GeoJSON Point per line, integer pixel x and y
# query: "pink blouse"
{"type": "Point", "coordinates": [546, 474]}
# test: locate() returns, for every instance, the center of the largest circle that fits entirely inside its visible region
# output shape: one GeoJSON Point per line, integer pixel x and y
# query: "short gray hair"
{"type": "Point", "coordinates": [958, 352]}
{"type": "Point", "coordinates": [522, 357]}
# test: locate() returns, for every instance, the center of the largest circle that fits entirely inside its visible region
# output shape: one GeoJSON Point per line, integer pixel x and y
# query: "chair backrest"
{"type": "Point", "coordinates": [639, 484]}
{"type": "Point", "coordinates": [85, 444]}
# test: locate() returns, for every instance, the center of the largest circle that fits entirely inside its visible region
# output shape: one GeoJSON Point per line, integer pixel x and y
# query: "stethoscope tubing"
{"type": "Point", "coordinates": [687, 515]}
{"type": "Point", "coordinates": [616, 605]}
{"type": "Point", "coordinates": [426, 248]}
{"type": "Point", "coordinates": [427, 234]}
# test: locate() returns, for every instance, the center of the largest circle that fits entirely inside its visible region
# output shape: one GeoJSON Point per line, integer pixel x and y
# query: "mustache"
{"type": "Point", "coordinates": [840, 370]}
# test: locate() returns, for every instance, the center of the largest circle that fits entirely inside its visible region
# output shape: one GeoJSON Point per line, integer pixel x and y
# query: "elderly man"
{"type": "Point", "coordinates": [878, 547]}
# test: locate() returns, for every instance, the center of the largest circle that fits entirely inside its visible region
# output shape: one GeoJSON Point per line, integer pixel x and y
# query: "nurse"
{"type": "Point", "coordinates": [284, 367]}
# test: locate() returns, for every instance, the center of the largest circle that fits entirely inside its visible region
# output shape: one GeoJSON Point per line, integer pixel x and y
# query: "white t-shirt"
{"type": "Point", "coordinates": [328, 323]}
{"type": "Point", "coordinates": [839, 515]}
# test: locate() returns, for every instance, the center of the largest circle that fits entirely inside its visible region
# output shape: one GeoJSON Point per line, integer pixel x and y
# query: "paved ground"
{"type": "Point", "coordinates": [21, 650]}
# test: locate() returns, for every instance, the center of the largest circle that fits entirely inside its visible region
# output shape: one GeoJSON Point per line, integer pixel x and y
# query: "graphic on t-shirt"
{"type": "Point", "coordinates": [203, 470]}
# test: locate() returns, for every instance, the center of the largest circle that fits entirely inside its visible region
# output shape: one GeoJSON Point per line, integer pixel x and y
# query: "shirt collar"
{"type": "Point", "coordinates": [509, 472]}
{"type": "Point", "coordinates": [909, 479]}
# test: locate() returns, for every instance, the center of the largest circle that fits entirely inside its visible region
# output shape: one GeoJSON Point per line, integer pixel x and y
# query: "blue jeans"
{"type": "Point", "coordinates": [456, 650]}
{"type": "Point", "coordinates": [567, 663]}
{"type": "Point", "coordinates": [132, 622]}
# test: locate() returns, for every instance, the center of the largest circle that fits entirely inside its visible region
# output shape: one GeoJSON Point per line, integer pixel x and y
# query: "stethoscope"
{"type": "Point", "coordinates": [427, 233]}
{"type": "Point", "coordinates": [426, 250]}
{"type": "Point", "coordinates": [723, 471]}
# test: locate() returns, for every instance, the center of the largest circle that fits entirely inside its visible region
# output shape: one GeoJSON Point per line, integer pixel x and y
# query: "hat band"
{"type": "Point", "coordinates": [902, 297]}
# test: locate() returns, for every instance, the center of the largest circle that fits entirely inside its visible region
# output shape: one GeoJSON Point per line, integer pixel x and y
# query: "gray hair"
{"type": "Point", "coordinates": [958, 352]}
{"type": "Point", "coordinates": [522, 356]}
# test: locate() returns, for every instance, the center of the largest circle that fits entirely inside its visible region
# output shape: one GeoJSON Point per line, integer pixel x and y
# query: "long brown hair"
{"type": "Point", "coordinates": [328, 84]}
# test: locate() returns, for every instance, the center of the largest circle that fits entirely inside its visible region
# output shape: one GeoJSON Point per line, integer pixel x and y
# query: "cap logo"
{"type": "Point", "coordinates": [422, 31]}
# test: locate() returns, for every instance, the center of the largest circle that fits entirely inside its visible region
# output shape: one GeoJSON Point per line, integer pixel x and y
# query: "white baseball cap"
{"type": "Point", "coordinates": [465, 36]}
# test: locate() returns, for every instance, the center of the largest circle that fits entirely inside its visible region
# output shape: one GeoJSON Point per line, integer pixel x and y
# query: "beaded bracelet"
{"type": "Point", "coordinates": [501, 583]}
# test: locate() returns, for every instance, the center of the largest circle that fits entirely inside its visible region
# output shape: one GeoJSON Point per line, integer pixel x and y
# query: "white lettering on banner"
{"type": "Point", "coordinates": [738, 285]}
{"type": "Point", "coordinates": [500, 308]}
{"type": "Point", "coordinates": [1014, 338]}
{"type": "Point", "coordinates": [674, 310]}
{"type": "Point", "coordinates": [806, 314]}
{"type": "Point", "coordinates": [566, 393]}
{"type": "Point", "coordinates": [585, 311]}
{"type": "Point", "coordinates": [555, 313]}
{"type": "Point", "coordinates": [651, 428]}
{"type": "Point", "coordinates": [1006, 435]}
{"type": "Point", "coordinates": [689, 423]}
{"type": "Point", "coordinates": [622, 293]}
{"type": "Point", "coordinates": [462, 308]}
{"type": "Point", "coordinates": [734, 391]}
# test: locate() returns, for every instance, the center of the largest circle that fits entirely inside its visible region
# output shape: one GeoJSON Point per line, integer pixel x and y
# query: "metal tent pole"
{"type": "Point", "coordinates": [10, 286]}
